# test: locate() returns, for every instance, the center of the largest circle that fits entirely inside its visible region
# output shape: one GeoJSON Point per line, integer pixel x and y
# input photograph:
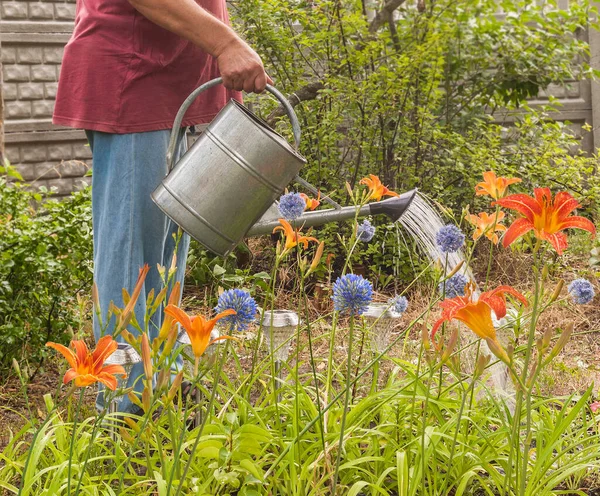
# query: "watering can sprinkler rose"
{"type": "Point", "coordinates": [225, 186]}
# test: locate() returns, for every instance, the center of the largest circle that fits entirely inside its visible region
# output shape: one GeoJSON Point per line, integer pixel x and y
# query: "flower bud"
{"type": "Point", "coordinates": [455, 269]}
{"type": "Point", "coordinates": [15, 365]}
{"type": "Point", "coordinates": [497, 350]}
{"type": "Point", "coordinates": [425, 338]}
{"type": "Point", "coordinates": [482, 363]}
{"type": "Point", "coordinates": [546, 338]}
{"type": "Point", "coordinates": [545, 271]}
{"type": "Point", "coordinates": [174, 387]}
{"type": "Point", "coordinates": [449, 348]}
{"type": "Point", "coordinates": [146, 396]}
{"type": "Point", "coordinates": [557, 291]}
{"type": "Point", "coordinates": [562, 341]}
{"type": "Point", "coordinates": [146, 357]}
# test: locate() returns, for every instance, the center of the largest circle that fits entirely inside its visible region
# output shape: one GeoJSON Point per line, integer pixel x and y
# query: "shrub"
{"type": "Point", "coordinates": [45, 261]}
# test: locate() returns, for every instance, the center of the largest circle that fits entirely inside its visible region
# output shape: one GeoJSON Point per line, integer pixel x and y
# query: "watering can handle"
{"type": "Point", "coordinates": [190, 99]}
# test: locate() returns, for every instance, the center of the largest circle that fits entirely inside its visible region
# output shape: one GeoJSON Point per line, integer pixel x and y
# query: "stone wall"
{"type": "Point", "coordinates": [33, 36]}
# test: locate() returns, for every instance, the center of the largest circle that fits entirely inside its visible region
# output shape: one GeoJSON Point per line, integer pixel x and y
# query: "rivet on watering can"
{"type": "Point", "coordinates": [380, 320]}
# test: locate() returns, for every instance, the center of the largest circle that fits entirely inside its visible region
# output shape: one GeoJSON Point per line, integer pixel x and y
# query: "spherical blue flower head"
{"type": "Point", "coordinates": [455, 286]}
{"type": "Point", "coordinates": [450, 239]}
{"type": "Point", "coordinates": [352, 294]}
{"type": "Point", "coordinates": [582, 291]}
{"type": "Point", "coordinates": [365, 231]}
{"type": "Point", "coordinates": [399, 304]}
{"type": "Point", "coordinates": [292, 206]}
{"type": "Point", "coordinates": [242, 303]}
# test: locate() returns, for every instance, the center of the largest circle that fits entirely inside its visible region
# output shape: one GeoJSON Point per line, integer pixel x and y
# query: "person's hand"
{"type": "Point", "coordinates": [241, 68]}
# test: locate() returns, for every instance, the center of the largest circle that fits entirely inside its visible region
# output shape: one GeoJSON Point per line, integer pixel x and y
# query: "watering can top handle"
{"type": "Point", "coordinates": [190, 99]}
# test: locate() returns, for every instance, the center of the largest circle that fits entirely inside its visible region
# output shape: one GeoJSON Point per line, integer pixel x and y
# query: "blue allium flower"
{"type": "Point", "coordinates": [399, 304]}
{"type": "Point", "coordinates": [352, 294]}
{"type": "Point", "coordinates": [365, 231]}
{"type": "Point", "coordinates": [582, 291]}
{"type": "Point", "coordinates": [450, 239]}
{"type": "Point", "coordinates": [455, 286]}
{"type": "Point", "coordinates": [291, 206]}
{"type": "Point", "coordinates": [242, 303]}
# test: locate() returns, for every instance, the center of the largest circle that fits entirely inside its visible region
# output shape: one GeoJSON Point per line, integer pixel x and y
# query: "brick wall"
{"type": "Point", "coordinates": [33, 36]}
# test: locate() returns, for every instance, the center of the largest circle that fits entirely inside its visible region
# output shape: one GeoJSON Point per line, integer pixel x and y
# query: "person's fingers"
{"type": "Point", "coordinates": [227, 82]}
{"type": "Point", "coordinates": [238, 84]}
{"type": "Point", "coordinates": [260, 82]}
{"type": "Point", "coordinates": [269, 80]}
{"type": "Point", "coordinates": [249, 84]}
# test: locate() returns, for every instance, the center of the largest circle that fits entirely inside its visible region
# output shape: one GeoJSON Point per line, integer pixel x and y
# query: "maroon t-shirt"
{"type": "Point", "coordinates": [121, 73]}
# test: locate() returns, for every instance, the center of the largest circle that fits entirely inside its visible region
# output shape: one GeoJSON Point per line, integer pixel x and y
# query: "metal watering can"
{"type": "Point", "coordinates": [225, 186]}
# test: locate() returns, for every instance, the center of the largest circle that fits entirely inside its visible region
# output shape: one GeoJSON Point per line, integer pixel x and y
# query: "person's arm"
{"type": "Point", "coordinates": [240, 66]}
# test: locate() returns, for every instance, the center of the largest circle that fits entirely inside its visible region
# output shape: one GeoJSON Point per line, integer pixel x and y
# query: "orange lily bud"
{"type": "Point", "coordinates": [146, 357]}
{"type": "Point", "coordinates": [146, 397]}
{"type": "Point", "coordinates": [135, 399]}
{"type": "Point", "coordinates": [174, 387]}
{"type": "Point", "coordinates": [449, 348]}
{"type": "Point", "coordinates": [125, 435]}
{"type": "Point", "coordinates": [317, 258]}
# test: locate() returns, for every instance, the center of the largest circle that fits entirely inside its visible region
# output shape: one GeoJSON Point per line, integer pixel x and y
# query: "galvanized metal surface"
{"type": "Point", "coordinates": [392, 207]}
{"type": "Point", "coordinates": [230, 176]}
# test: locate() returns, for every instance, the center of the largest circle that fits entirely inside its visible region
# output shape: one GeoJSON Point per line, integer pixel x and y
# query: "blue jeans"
{"type": "Point", "coordinates": [130, 230]}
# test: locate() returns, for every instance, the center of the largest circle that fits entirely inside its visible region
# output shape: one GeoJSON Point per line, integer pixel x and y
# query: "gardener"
{"type": "Point", "coordinates": [125, 72]}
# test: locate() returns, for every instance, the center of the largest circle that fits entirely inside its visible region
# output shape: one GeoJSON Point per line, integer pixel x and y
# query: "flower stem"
{"type": "Point", "coordinates": [347, 401]}
{"type": "Point", "coordinates": [205, 419]}
{"type": "Point", "coordinates": [79, 401]}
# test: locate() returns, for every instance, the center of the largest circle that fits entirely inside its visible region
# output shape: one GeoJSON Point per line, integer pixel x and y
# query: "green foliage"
{"type": "Point", "coordinates": [45, 261]}
{"type": "Point", "coordinates": [421, 101]}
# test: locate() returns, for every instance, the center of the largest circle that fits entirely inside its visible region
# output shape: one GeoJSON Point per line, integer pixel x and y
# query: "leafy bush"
{"type": "Point", "coordinates": [45, 261]}
{"type": "Point", "coordinates": [415, 95]}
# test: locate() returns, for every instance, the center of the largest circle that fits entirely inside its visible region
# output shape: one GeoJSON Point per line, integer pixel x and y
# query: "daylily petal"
{"type": "Point", "coordinates": [557, 240]}
{"type": "Point", "coordinates": [523, 204]}
{"type": "Point", "coordinates": [179, 315]}
{"type": "Point", "coordinates": [113, 370]}
{"type": "Point", "coordinates": [437, 326]}
{"type": "Point", "coordinates": [517, 229]}
{"type": "Point", "coordinates": [564, 204]}
{"type": "Point", "coordinates": [64, 351]}
{"type": "Point", "coordinates": [579, 223]}
{"type": "Point", "coordinates": [81, 350]}
{"type": "Point", "coordinates": [110, 381]}
{"type": "Point", "coordinates": [106, 346]}
{"type": "Point", "coordinates": [69, 376]}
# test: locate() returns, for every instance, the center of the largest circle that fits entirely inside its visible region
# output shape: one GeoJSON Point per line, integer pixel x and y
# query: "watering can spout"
{"type": "Point", "coordinates": [392, 207]}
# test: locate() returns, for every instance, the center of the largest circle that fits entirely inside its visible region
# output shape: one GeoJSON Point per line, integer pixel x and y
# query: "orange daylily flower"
{"type": "Point", "coordinates": [376, 189]}
{"type": "Point", "coordinates": [476, 314]}
{"type": "Point", "coordinates": [88, 367]}
{"type": "Point", "coordinates": [547, 218]}
{"type": "Point", "coordinates": [487, 224]}
{"type": "Point", "coordinates": [311, 203]}
{"type": "Point", "coordinates": [292, 237]}
{"type": "Point", "coordinates": [494, 186]}
{"type": "Point", "coordinates": [198, 328]}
